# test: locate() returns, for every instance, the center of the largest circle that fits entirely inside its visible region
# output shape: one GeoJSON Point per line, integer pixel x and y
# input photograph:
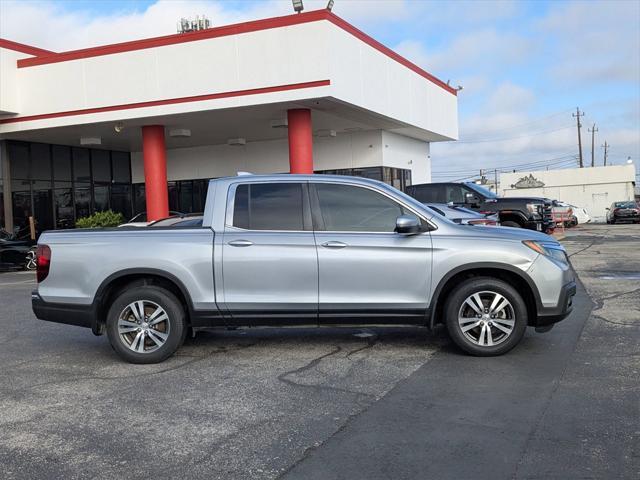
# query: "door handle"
{"type": "Point", "coordinates": [334, 244]}
{"type": "Point", "coordinates": [240, 243]}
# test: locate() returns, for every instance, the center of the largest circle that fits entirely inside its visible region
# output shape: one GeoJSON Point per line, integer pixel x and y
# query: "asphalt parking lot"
{"type": "Point", "coordinates": [331, 404]}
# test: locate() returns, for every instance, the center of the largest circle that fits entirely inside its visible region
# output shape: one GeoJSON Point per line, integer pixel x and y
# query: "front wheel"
{"type": "Point", "coordinates": [146, 324]}
{"type": "Point", "coordinates": [486, 316]}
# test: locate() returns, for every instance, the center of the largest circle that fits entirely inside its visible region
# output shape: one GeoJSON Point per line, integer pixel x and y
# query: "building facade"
{"type": "Point", "coordinates": [142, 125]}
{"type": "Point", "coordinates": [594, 188]}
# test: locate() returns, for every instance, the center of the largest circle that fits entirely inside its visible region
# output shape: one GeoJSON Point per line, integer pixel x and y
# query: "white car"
{"type": "Point", "coordinates": [140, 220]}
{"type": "Point", "coordinates": [581, 214]}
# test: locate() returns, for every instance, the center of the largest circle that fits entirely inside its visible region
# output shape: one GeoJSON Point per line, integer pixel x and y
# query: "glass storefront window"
{"type": "Point", "coordinates": [82, 200]}
{"type": "Point", "coordinates": [399, 178]}
{"type": "Point", "coordinates": [81, 165]}
{"type": "Point", "coordinates": [41, 162]}
{"type": "Point", "coordinates": [121, 200]}
{"type": "Point", "coordinates": [101, 166]}
{"type": "Point", "coordinates": [57, 184]}
{"type": "Point", "coordinates": [61, 165]}
{"type": "Point", "coordinates": [101, 198]}
{"type": "Point", "coordinates": [139, 199]}
{"type": "Point", "coordinates": [121, 165]}
{"type": "Point", "coordinates": [63, 208]}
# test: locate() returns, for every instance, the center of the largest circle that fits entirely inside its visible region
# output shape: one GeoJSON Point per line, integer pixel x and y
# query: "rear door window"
{"type": "Point", "coordinates": [269, 206]}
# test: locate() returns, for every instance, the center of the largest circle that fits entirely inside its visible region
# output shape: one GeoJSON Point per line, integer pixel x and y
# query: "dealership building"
{"type": "Point", "coordinates": [142, 125]}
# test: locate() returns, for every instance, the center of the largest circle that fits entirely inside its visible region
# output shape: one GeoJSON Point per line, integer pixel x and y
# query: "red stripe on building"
{"type": "Point", "coordinates": [154, 103]}
{"type": "Point", "coordinates": [236, 29]}
{"type": "Point", "coordinates": [22, 48]}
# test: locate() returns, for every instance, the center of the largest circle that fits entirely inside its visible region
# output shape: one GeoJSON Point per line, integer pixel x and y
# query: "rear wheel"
{"type": "Point", "coordinates": [486, 316]}
{"type": "Point", "coordinates": [146, 324]}
{"type": "Point", "coordinates": [510, 224]}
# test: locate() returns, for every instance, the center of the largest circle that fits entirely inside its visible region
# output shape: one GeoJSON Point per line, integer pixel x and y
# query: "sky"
{"type": "Point", "coordinates": [525, 66]}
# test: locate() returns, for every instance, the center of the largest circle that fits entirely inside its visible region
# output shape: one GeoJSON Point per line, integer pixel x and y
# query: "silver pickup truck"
{"type": "Point", "coordinates": [303, 250]}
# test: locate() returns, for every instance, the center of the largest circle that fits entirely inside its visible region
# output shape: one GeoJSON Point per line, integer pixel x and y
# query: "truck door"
{"type": "Point", "coordinates": [269, 258]}
{"type": "Point", "coordinates": [367, 272]}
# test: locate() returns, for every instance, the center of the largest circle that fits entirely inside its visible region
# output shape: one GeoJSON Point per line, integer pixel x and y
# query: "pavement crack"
{"type": "Point", "coordinates": [136, 375]}
{"type": "Point", "coordinates": [360, 396]}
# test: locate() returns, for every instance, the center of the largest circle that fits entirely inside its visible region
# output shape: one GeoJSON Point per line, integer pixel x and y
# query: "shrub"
{"type": "Point", "coordinates": [107, 218]}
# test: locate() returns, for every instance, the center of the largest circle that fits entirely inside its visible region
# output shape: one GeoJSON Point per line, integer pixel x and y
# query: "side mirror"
{"type": "Point", "coordinates": [407, 225]}
{"type": "Point", "coordinates": [471, 198]}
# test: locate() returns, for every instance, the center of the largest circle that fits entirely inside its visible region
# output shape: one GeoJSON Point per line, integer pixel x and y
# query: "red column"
{"type": "Point", "coordinates": [300, 141]}
{"type": "Point", "coordinates": [155, 172]}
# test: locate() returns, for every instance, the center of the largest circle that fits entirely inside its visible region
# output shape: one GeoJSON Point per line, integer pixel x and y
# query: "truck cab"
{"type": "Point", "coordinates": [533, 213]}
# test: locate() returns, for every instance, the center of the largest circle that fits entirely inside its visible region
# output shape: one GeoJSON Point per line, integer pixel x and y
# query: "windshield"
{"type": "Point", "coordinates": [485, 192]}
{"type": "Point", "coordinates": [625, 205]}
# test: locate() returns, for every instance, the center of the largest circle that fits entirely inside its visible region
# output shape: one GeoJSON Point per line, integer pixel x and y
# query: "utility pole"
{"type": "Point", "coordinates": [577, 116]}
{"type": "Point", "coordinates": [606, 151]}
{"type": "Point", "coordinates": [593, 131]}
{"type": "Point", "coordinates": [495, 172]}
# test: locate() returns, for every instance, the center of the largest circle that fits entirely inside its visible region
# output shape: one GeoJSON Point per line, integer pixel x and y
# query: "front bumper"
{"type": "Point", "coordinates": [67, 313]}
{"type": "Point", "coordinates": [550, 315]}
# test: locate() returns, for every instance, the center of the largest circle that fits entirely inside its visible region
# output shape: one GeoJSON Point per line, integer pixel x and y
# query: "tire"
{"type": "Point", "coordinates": [486, 336]}
{"type": "Point", "coordinates": [510, 224]}
{"type": "Point", "coordinates": [157, 339]}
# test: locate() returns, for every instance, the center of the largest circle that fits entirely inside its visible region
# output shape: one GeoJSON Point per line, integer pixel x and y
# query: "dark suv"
{"type": "Point", "coordinates": [525, 212]}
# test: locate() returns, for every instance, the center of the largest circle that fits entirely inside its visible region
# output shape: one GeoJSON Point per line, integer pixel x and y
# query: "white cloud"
{"type": "Point", "coordinates": [74, 29]}
{"type": "Point", "coordinates": [594, 41]}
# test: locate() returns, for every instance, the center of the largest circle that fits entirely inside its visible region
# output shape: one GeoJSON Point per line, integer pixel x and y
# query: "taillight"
{"type": "Point", "coordinates": [43, 262]}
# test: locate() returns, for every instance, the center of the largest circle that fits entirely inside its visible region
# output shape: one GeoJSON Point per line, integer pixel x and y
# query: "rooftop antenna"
{"type": "Point", "coordinates": [186, 25]}
{"type": "Point", "coordinates": [298, 6]}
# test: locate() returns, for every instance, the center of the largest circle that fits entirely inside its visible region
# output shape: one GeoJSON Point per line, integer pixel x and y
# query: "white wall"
{"type": "Point", "coordinates": [404, 152]}
{"type": "Point", "coordinates": [319, 50]}
{"type": "Point", "coordinates": [592, 188]}
{"type": "Point", "coordinates": [358, 149]}
{"type": "Point", "coordinates": [9, 100]}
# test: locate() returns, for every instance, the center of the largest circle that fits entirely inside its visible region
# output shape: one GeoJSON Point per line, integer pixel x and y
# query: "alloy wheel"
{"type": "Point", "coordinates": [143, 326]}
{"type": "Point", "coordinates": [486, 318]}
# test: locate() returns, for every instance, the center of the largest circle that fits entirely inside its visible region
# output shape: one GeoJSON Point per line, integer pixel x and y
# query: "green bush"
{"type": "Point", "coordinates": [108, 218]}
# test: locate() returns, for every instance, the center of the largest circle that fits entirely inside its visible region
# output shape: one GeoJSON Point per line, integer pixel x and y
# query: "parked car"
{"type": "Point", "coordinates": [581, 214]}
{"type": "Point", "coordinates": [627, 211]}
{"type": "Point", "coordinates": [140, 220]}
{"type": "Point", "coordinates": [563, 214]}
{"type": "Point", "coordinates": [303, 250]}
{"type": "Point", "coordinates": [15, 253]}
{"type": "Point", "coordinates": [526, 212]}
{"type": "Point", "coordinates": [188, 220]}
{"type": "Point", "coordinates": [462, 215]}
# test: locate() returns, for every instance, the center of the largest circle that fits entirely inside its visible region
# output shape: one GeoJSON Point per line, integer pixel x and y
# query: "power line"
{"type": "Point", "coordinates": [516, 165]}
{"type": "Point", "coordinates": [521, 125]}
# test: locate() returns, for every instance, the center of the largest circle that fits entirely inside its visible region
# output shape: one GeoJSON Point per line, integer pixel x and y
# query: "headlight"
{"type": "Point", "coordinates": [533, 208]}
{"type": "Point", "coordinates": [548, 249]}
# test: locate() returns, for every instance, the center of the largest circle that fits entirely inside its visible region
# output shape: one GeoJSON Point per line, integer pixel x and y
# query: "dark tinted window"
{"type": "Point", "coordinates": [454, 193]}
{"type": "Point", "coordinates": [268, 206]}
{"type": "Point", "coordinates": [81, 167]}
{"type": "Point", "coordinates": [121, 167]}
{"type": "Point", "coordinates": [19, 160]}
{"type": "Point", "coordinates": [347, 208]}
{"type": "Point", "coordinates": [61, 163]}
{"type": "Point", "coordinates": [101, 166]}
{"type": "Point", "coordinates": [426, 193]}
{"type": "Point", "coordinates": [41, 162]}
